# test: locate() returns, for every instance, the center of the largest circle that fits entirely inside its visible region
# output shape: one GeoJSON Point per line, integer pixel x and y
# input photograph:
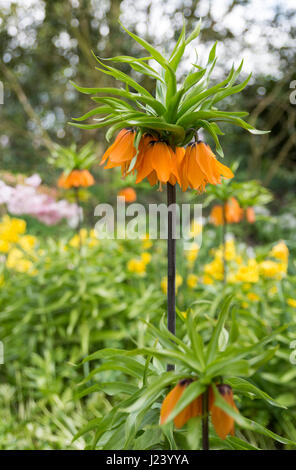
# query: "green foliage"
{"type": "Point", "coordinates": [174, 113]}
{"type": "Point", "coordinates": [248, 193]}
{"type": "Point", "coordinates": [199, 356]}
{"type": "Point", "coordinates": [70, 158]}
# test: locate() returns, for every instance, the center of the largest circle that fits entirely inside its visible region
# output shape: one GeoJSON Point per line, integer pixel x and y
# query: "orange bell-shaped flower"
{"type": "Point", "coordinates": [156, 161]}
{"type": "Point", "coordinates": [216, 215]}
{"type": "Point", "coordinates": [190, 411]}
{"type": "Point", "coordinates": [222, 422]}
{"type": "Point", "coordinates": [129, 194]}
{"type": "Point", "coordinates": [200, 167]}
{"type": "Point", "coordinates": [250, 215]}
{"type": "Point", "coordinates": [76, 179]}
{"type": "Point", "coordinates": [122, 151]}
{"type": "Point", "coordinates": [233, 212]}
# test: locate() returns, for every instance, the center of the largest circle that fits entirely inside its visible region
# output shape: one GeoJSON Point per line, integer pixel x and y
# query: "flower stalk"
{"type": "Point", "coordinates": [224, 233]}
{"type": "Point", "coordinates": [77, 200]}
{"type": "Point", "coordinates": [171, 253]}
{"type": "Point", "coordinates": [205, 420]}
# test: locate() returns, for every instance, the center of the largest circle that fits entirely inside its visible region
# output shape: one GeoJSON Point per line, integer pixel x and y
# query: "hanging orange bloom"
{"type": "Point", "coordinates": [250, 215]}
{"type": "Point", "coordinates": [233, 212]}
{"type": "Point", "coordinates": [222, 422]}
{"type": "Point", "coordinates": [76, 179]}
{"type": "Point", "coordinates": [200, 166]}
{"type": "Point", "coordinates": [157, 161]}
{"type": "Point", "coordinates": [121, 152]}
{"type": "Point", "coordinates": [129, 194]}
{"type": "Point", "coordinates": [216, 215]}
{"type": "Point", "coordinates": [190, 411]}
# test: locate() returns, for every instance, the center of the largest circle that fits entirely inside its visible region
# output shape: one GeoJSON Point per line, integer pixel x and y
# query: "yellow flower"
{"type": "Point", "coordinates": [230, 252]}
{"type": "Point", "coordinates": [136, 266]}
{"type": "Point", "coordinates": [4, 246]}
{"type": "Point", "coordinates": [164, 283]}
{"type": "Point", "coordinates": [239, 259]}
{"type": "Point", "coordinates": [246, 287]}
{"type": "Point", "coordinates": [195, 228]}
{"type": "Point", "coordinates": [146, 243]}
{"type": "Point", "coordinates": [78, 238]}
{"type": "Point", "coordinates": [215, 269]}
{"type": "Point", "coordinates": [192, 281]}
{"type": "Point", "coordinates": [27, 242]}
{"type": "Point", "coordinates": [248, 273]}
{"type": "Point", "coordinates": [253, 297]}
{"type": "Point", "coordinates": [291, 302]}
{"type": "Point", "coordinates": [146, 257]}
{"type": "Point", "coordinates": [280, 251]}
{"type": "Point", "coordinates": [93, 241]}
{"type": "Point", "coordinates": [10, 230]}
{"type": "Point", "coordinates": [184, 314]}
{"type": "Point", "coordinates": [273, 290]}
{"type": "Point", "coordinates": [17, 261]}
{"type": "Point", "coordinates": [271, 269]}
{"type": "Point", "coordinates": [179, 281]}
{"type": "Point", "coordinates": [191, 254]}
{"type": "Point", "coordinates": [245, 305]}
{"type": "Point", "coordinates": [207, 279]}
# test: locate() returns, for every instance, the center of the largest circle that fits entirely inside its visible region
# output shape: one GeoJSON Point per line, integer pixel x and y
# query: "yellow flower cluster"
{"type": "Point", "coordinates": [84, 237]}
{"type": "Point", "coordinates": [164, 283]}
{"type": "Point", "coordinates": [291, 302]}
{"type": "Point", "coordinates": [18, 247]}
{"type": "Point", "coordinates": [10, 231]}
{"type": "Point", "coordinates": [139, 265]}
{"type": "Point", "coordinates": [146, 242]}
{"type": "Point", "coordinates": [246, 272]}
{"type": "Point", "coordinates": [192, 281]}
{"type": "Point", "coordinates": [191, 254]}
{"type": "Point", "coordinates": [250, 271]}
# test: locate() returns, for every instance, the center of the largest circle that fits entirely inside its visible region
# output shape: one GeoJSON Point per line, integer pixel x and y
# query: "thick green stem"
{"type": "Point", "coordinates": [171, 247]}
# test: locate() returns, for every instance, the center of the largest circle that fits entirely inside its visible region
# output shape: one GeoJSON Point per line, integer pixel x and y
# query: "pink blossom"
{"type": "Point", "coordinates": [24, 199]}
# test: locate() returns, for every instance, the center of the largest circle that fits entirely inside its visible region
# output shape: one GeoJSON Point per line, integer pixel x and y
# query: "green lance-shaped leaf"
{"type": "Point", "coordinates": [209, 127]}
{"type": "Point", "coordinates": [247, 388]}
{"type": "Point", "coordinates": [138, 65]}
{"type": "Point", "coordinates": [153, 390]}
{"type": "Point", "coordinates": [196, 340]}
{"type": "Point", "coordinates": [135, 97]}
{"type": "Point", "coordinates": [123, 77]}
{"type": "Point", "coordinates": [231, 91]}
{"type": "Point", "coordinates": [170, 74]}
{"type": "Point", "coordinates": [194, 390]}
{"type": "Point", "coordinates": [178, 50]}
{"type": "Point", "coordinates": [191, 118]}
{"type": "Point", "coordinates": [194, 34]}
{"type": "Point", "coordinates": [193, 101]}
{"type": "Point", "coordinates": [247, 423]}
{"type": "Point", "coordinates": [214, 342]}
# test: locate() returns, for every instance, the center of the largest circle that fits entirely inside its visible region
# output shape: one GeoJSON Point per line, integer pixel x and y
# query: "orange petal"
{"type": "Point", "coordinates": [161, 161]}
{"type": "Point", "coordinates": [222, 422]}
